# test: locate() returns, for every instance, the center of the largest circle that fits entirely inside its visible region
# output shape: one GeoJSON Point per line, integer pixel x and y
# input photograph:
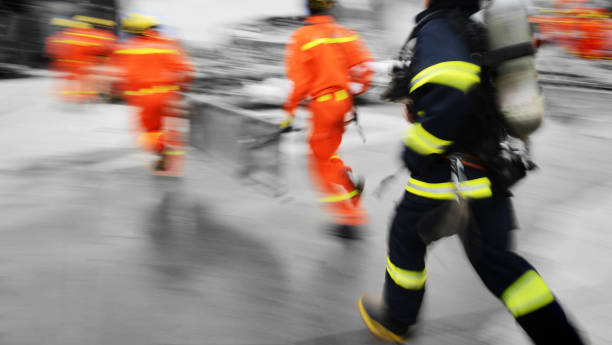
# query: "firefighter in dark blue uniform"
{"type": "Point", "coordinates": [444, 81]}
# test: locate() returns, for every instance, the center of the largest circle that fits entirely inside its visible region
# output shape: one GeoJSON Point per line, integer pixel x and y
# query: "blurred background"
{"type": "Point", "coordinates": [95, 250]}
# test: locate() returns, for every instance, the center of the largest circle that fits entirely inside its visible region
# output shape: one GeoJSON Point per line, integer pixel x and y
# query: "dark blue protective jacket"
{"type": "Point", "coordinates": [444, 78]}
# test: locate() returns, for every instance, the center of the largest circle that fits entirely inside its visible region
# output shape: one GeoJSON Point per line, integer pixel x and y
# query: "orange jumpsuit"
{"type": "Point", "coordinates": [152, 69]}
{"type": "Point", "coordinates": [323, 60]}
{"type": "Point", "coordinates": [75, 51]}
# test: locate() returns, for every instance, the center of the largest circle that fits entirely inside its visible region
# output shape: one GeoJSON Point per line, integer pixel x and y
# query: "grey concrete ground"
{"type": "Point", "coordinates": [94, 250]}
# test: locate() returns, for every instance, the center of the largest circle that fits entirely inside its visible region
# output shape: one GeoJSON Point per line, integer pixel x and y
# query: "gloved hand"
{"type": "Point", "coordinates": [286, 125]}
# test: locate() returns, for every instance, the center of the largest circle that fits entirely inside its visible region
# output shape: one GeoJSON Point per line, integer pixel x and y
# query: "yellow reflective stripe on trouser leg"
{"type": "Point", "coordinates": [527, 294]}
{"type": "Point", "coordinates": [339, 197]}
{"type": "Point", "coordinates": [409, 280]}
{"type": "Point", "coordinates": [424, 143]}
{"type": "Point", "coordinates": [477, 189]}
{"type": "Point", "coordinates": [174, 153]}
{"type": "Point", "coordinates": [456, 74]}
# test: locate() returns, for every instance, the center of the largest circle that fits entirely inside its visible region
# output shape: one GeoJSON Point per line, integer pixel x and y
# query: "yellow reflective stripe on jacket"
{"type": "Point", "coordinates": [339, 197]}
{"type": "Point", "coordinates": [145, 51]}
{"type": "Point", "coordinates": [479, 188]}
{"type": "Point", "coordinates": [154, 89]}
{"type": "Point", "coordinates": [527, 294]}
{"type": "Point", "coordinates": [329, 40]}
{"type": "Point", "coordinates": [90, 36]}
{"type": "Point", "coordinates": [409, 280]}
{"type": "Point", "coordinates": [457, 74]}
{"type": "Point", "coordinates": [76, 42]}
{"type": "Point", "coordinates": [423, 142]}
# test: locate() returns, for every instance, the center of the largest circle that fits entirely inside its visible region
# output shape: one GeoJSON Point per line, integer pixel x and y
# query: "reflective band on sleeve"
{"type": "Point", "coordinates": [329, 40]}
{"type": "Point", "coordinates": [457, 74]}
{"type": "Point", "coordinates": [146, 51]}
{"type": "Point", "coordinates": [409, 280]}
{"type": "Point", "coordinates": [339, 197]}
{"type": "Point", "coordinates": [527, 294]}
{"type": "Point", "coordinates": [423, 142]}
{"type": "Point", "coordinates": [479, 188]}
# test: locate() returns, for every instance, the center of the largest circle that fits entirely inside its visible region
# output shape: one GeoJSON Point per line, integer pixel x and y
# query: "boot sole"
{"type": "Point", "coordinates": [376, 328]}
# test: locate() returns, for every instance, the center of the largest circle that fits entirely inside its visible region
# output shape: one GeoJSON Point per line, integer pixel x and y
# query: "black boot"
{"type": "Point", "coordinates": [376, 317]}
{"type": "Point", "coordinates": [160, 163]}
{"type": "Point", "coordinates": [345, 232]}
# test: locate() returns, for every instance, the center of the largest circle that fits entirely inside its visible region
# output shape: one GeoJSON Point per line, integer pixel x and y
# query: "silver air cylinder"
{"type": "Point", "coordinates": [519, 96]}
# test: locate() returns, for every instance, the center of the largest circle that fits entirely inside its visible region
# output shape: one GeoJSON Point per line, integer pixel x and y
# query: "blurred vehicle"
{"type": "Point", "coordinates": [582, 30]}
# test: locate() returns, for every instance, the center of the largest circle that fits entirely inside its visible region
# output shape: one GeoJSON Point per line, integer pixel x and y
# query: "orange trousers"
{"type": "Point", "coordinates": [328, 171]}
{"type": "Point", "coordinates": [152, 110]}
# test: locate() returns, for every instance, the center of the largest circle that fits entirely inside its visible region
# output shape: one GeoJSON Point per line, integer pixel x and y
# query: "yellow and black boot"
{"type": "Point", "coordinates": [376, 317]}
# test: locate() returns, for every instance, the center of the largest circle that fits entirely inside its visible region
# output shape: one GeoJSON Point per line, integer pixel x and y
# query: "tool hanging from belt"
{"type": "Point", "coordinates": [451, 216]}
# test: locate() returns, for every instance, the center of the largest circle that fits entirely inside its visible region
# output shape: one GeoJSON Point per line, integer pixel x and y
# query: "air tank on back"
{"type": "Point", "coordinates": [519, 96]}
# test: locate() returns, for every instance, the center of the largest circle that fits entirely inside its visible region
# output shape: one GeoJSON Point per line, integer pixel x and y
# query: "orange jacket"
{"type": "Point", "coordinates": [151, 63]}
{"type": "Point", "coordinates": [324, 57]}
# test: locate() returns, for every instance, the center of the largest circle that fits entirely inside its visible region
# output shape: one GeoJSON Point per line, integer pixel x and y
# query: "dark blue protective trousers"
{"type": "Point", "coordinates": [486, 240]}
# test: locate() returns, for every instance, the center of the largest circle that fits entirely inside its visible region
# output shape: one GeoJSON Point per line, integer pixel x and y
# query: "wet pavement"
{"type": "Point", "coordinates": [95, 250]}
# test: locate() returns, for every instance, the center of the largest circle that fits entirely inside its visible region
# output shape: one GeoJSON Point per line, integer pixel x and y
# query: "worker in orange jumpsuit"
{"type": "Point", "coordinates": [329, 65]}
{"type": "Point", "coordinates": [74, 51]}
{"type": "Point", "coordinates": [153, 69]}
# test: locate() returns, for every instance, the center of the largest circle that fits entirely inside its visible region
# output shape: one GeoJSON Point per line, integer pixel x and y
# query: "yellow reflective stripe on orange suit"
{"type": "Point", "coordinates": [338, 96]}
{"type": "Point", "coordinates": [76, 42]}
{"type": "Point", "coordinates": [90, 36]}
{"type": "Point", "coordinates": [339, 197]}
{"type": "Point", "coordinates": [329, 40]}
{"type": "Point", "coordinates": [146, 51]}
{"type": "Point", "coordinates": [153, 90]}
{"type": "Point", "coordinates": [74, 61]}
